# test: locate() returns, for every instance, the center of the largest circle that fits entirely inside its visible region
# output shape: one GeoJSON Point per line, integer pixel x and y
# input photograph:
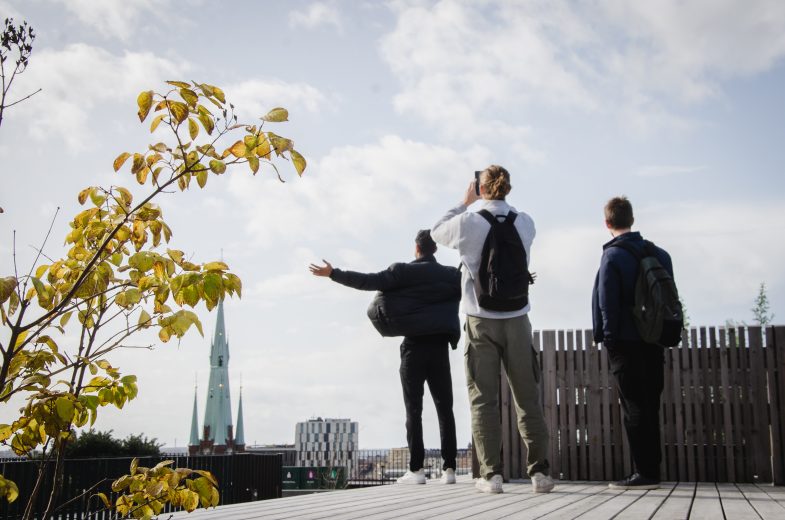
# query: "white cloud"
{"type": "Point", "coordinates": [255, 97]}
{"type": "Point", "coordinates": [77, 79]}
{"type": "Point", "coordinates": [115, 18]}
{"type": "Point", "coordinates": [665, 170]}
{"type": "Point", "coordinates": [355, 192]}
{"type": "Point", "coordinates": [468, 66]}
{"type": "Point", "coordinates": [318, 14]}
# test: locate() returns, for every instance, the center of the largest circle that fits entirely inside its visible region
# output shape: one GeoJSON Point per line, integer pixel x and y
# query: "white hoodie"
{"type": "Point", "coordinates": [466, 232]}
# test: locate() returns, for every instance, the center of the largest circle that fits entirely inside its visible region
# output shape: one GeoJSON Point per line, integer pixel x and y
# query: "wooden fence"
{"type": "Point", "coordinates": [722, 414]}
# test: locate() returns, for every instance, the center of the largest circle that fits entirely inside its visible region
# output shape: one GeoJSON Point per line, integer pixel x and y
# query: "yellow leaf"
{"type": "Point", "coordinates": [263, 150]}
{"type": "Point", "coordinates": [156, 122]}
{"type": "Point", "coordinates": [118, 163]}
{"type": "Point", "coordinates": [125, 195]}
{"type": "Point", "coordinates": [104, 499]}
{"type": "Point", "coordinates": [219, 94]}
{"type": "Point", "coordinates": [145, 101]}
{"type": "Point", "coordinates": [65, 409]}
{"type": "Point", "coordinates": [238, 149]}
{"type": "Point", "coordinates": [179, 110]}
{"type": "Point", "coordinates": [253, 163]}
{"type": "Point", "coordinates": [64, 318]}
{"type": "Point", "coordinates": [298, 161]}
{"type": "Point", "coordinates": [189, 96]}
{"type": "Point", "coordinates": [276, 115]}
{"type": "Point", "coordinates": [7, 286]}
{"type": "Point", "coordinates": [164, 334]}
{"type": "Point", "coordinates": [82, 197]}
{"type": "Point", "coordinates": [181, 84]}
{"type": "Point", "coordinates": [144, 319]}
{"type": "Point", "coordinates": [193, 128]}
{"type": "Point", "coordinates": [141, 175]}
{"type": "Point", "coordinates": [216, 266]}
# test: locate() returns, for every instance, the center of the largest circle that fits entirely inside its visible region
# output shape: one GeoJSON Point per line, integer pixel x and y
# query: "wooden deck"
{"type": "Point", "coordinates": [584, 500]}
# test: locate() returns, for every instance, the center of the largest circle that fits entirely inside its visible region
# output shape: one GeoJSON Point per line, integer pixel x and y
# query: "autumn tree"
{"type": "Point", "coordinates": [116, 279]}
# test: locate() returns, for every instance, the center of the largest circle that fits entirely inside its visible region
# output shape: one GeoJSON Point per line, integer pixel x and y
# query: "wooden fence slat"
{"type": "Point", "coordinates": [728, 409]}
{"type": "Point", "coordinates": [737, 419]}
{"type": "Point", "coordinates": [607, 437]}
{"type": "Point", "coordinates": [689, 412]}
{"type": "Point", "coordinates": [570, 391]}
{"type": "Point", "coordinates": [561, 381]}
{"type": "Point", "coordinates": [699, 404]}
{"type": "Point", "coordinates": [777, 400]}
{"type": "Point", "coordinates": [667, 420]}
{"type": "Point", "coordinates": [745, 402]}
{"type": "Point", "coordinates": [594, 398]}
{"type": "Point", "coordinates": [678, 408]}
{"type": "Point", "coordinates": [759, 405]}
{"type": "Point", "coordinates": [582, 342]}
{"type": "Point", "coordinates": [549, 389]}
{"type": "Point", "coordinates": [708, 408]}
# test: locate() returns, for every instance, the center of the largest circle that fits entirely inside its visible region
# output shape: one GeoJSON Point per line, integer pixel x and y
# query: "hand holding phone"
{"type": "Point", "coordinates": [477, 183]}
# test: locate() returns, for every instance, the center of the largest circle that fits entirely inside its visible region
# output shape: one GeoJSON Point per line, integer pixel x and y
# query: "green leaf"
{"type": "Point", "coordinates": [276, 115]}
{"type": "Point", "coordinates": [65, 409]}
{"type": "Point", "coordinates": [207, 122]}
{"type": "Point", "coordinates": [217, 167]}
{"type": "Point", "coordinates": [201, 177]}
{"type": "Point", "coordinates": [298, 161]}
{"type": "Point", "coordinates": [253, 163]}
{"type": "Point", "coordinates": [215, 266]}
{"type": "Point", "coordinates": [97, 197]}
{"type": "Point", "coordinates": [144, 319]}
{"type": "Point", "coordinates": [65, 317]}
{"type": "Point", "coordinates": [145, 101]}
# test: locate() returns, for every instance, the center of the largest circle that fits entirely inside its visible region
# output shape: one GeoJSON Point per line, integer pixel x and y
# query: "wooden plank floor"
{"type": "Point", "coordinates": [583, 500]}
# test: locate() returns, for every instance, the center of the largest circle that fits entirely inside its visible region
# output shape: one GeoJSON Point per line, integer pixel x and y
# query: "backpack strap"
{"type": "Point", "coordinates": [509, 218]}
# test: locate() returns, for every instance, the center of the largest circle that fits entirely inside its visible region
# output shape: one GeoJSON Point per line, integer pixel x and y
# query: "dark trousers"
{"type": "Point", "coordinates": [639, 372]}
{"type": "Point", "coordinates": [421, 363]}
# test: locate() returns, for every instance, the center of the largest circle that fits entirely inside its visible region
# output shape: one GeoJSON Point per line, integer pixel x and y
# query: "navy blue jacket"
{"type": "Point", "coordinates": [417, 299]}
{"type": "Point", "coordinates": [614, 291]}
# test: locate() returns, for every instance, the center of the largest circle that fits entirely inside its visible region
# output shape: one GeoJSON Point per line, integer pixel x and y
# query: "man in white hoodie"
{"type": "Point", "coordinates": [496, 338]}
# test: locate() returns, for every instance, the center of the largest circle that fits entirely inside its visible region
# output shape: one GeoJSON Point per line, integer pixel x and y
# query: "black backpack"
{"type": "Point", "coordinates": [657, 310]}
{"type": "Point", "coordinates": [504, 276]}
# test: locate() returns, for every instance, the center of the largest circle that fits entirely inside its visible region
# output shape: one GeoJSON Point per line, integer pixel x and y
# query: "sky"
{"type": "Point", "coordinates": [677, 104]}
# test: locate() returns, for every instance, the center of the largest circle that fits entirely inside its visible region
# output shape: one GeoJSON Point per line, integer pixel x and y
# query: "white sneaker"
{"type": "Point", "coordinates": [492, 485]}
{"type": "Point", "coordinates": [541, 483]}
{"type": "Point", "coordinates": [448, 476]}
{"type": "Point", "coordinates": [413, 477]}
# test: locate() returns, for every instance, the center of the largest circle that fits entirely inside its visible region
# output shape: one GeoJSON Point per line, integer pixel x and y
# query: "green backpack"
{"type": "Point", "coordinates": [657, 310]}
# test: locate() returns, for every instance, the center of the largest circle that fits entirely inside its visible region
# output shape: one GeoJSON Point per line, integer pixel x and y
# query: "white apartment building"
{"type": "Point", "coordinates": [326, 442]}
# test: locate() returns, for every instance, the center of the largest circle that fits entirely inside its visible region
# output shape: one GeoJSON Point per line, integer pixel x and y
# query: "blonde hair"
{"type": "Point", "coordinates": [497, 182]}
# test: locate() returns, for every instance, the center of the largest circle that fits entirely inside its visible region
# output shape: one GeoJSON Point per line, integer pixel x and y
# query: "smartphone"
{"type": "Point", "coordinates": [477, 182]}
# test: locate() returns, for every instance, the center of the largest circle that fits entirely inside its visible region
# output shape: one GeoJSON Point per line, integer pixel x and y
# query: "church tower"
{"type": "Point", "coordinates": [217, 435]}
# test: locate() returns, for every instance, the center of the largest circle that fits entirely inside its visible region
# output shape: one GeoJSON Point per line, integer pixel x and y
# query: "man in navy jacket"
{"type": "Point", "coordinates": [423, 298]}
{"type": "Point", "coordinates": [638, 367]}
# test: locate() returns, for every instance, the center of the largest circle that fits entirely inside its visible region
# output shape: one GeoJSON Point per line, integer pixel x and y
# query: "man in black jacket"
{"type": "Point", "coordinates": [637, 366]}
{"type": "Point", "coordinates": [419, 300]}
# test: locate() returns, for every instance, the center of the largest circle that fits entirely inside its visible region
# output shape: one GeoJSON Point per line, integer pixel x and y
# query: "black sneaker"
{"type": "Point", "coordinates": [635, 481]}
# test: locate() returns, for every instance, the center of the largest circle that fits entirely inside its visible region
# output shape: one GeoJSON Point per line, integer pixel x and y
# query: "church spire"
{"type": "Point", "coordinates": [218, 412]}
{"type": "Point", "coordinates": [194, 439]}
{"type": "Point", "coordinates": [239, 438]}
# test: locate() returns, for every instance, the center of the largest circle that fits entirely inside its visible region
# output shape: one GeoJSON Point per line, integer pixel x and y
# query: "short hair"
{"type": "Point", "coordinates": [618, 213]}
{"type": "Point", "coordinates": [497, 182]}
{"type": "Point", "coordinates": [425, 242]}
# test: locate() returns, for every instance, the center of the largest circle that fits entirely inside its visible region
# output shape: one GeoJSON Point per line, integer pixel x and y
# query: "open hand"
{"type": "Point", "coordinates": [319, 270]}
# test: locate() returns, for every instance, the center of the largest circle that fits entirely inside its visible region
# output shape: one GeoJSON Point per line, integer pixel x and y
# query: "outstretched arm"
{"type": "Point", "coordinates": [381, 281]}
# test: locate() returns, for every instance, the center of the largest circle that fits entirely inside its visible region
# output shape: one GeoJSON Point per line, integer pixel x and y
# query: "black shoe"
{"type": "Point", "coordinates": [635, 481]}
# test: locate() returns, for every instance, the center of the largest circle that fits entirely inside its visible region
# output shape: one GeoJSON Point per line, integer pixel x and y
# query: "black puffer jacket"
{"type": "Point", "coordinates": [416, 299]}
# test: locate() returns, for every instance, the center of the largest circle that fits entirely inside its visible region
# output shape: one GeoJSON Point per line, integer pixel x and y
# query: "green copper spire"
{"type": "Point", "coordinates": [218, 413]}
{"type": "Point", "coordinates": [194, 440]}
{"type": "Point", "coordinates": [239, 437]}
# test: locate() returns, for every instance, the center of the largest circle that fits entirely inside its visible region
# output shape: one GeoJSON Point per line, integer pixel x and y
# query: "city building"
{"type": "Point", "coordinates": [218, 435]}
{"type": "Point", "coordinates": [326, 442]}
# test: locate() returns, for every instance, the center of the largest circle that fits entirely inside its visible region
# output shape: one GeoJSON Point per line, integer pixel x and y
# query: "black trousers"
{"type": "Point", "coordinates": [639, 371]}
{"type": "Point", "coordinates": [420, 363]}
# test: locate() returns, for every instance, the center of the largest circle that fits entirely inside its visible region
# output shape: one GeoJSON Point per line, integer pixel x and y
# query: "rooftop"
{"type": "Point", "coordinates": [584, 500]}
